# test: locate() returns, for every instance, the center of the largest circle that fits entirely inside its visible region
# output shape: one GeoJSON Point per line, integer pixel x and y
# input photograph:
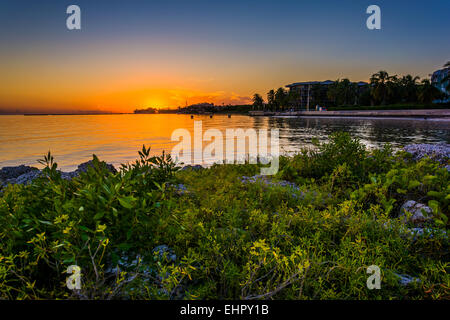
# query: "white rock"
{"type": "Point", "coordinates": [419, 212]}
{"type": "Point", "coordinates": [406, 280]}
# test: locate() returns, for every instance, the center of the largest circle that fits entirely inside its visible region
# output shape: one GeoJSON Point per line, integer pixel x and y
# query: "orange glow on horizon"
{"type": "Point", "coordinates": [118, 101]}
{"type": "Point", "coordinates": [74, 81]}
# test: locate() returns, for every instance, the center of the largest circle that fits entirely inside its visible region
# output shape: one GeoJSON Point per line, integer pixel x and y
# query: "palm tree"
{"type": "Point", "coordinates": [382, 85]}
{"type": "Point", "coordinates": [343, 92]}
{"type": "Point", "coordinates": [258, 102]}
{"type": "Point", "coordinates": [280, 98]}
{"type": "Point", "coordinates": [333, 92]}
{"type": "Point", "coordinates": [293, 98]}
{"type": "Point", "coordinates": [409, 88]}
{"type": "Point", "coordinates": [394, 87]}
{"type": "Point", "coordinates": [271, 99]}
{"type": "Point", "coordinates": [428, 92]}
{"type": "Point", "coordinates": [348, 91]}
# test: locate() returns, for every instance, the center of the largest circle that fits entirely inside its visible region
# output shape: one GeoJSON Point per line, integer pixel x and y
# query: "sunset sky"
{"type": "Point", "coordinates": [138, 54]}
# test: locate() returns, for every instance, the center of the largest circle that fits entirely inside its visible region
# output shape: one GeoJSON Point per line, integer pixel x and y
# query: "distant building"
{"type": "Point", "coordinates": [437, 80]}
{"type": "Point", "coordinates": [313, 93]}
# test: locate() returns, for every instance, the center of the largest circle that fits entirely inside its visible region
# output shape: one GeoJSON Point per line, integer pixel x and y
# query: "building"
{"type": "Point", "coordinates": [306, 93]}
{"type": "Point", "coordinates": [311, 93]}
{"type": "Point", "coordinates": [437, 80]}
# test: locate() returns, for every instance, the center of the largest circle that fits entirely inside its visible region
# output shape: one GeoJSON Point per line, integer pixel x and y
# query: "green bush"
{"type": "Point", "coordinates": [54, 223]}
{"type": "Point", "coordinates": [326, 158]}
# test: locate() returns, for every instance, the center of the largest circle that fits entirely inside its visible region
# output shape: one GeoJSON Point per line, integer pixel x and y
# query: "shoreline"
{"type": "Point", "coordinates": [431, 113]}
{"type": "Point", "coordinates": [391, 113]}
{"type": "Point", "coordinates": [23, 174]}
{"type": "Point", "coordinates": [408, 118]}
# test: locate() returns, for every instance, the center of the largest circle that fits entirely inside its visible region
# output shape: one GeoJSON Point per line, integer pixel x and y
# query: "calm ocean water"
{"type": "Point", "coordinates": [73, 139]}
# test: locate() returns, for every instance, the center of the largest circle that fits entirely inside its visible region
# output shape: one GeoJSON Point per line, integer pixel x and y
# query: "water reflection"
{"type": "Point", "coordinates": [116, 138]}
{"type": "Point", "coordinates": [373, 132]}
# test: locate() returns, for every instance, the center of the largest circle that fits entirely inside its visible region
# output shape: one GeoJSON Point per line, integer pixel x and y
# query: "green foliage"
{"type": "Point", "coordinates": [425, 181]}
{"type": "Point", "coordinates": [230, 239]}
{"type": "Point", "coordinates": [54, 223]}
{"type": "Point", "coordinates": [343, 92]}
{"type": "Point", "coordinates": [258, 102]}
{"type": "Point", "coordinates": [342, 153]}
{"type": "Point", "coordinates": [386, 89]}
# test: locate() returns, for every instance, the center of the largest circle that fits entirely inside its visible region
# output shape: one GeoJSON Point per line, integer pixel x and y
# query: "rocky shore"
{"type": "Point", "coordinates": [437, 152]}
{"type": "Point", "coordinates": [25, 174]}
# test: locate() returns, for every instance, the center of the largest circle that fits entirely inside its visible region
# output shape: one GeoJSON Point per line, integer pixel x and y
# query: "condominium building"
{"type": "Point", "coordinates": [308, 92]}
{"type": "Point", "coordinates": [437, 79]}
{"type": "Point", "coordinates": [312, 93]}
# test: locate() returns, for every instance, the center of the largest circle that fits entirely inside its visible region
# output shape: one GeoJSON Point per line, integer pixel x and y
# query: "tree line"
{"type": "Point", "coordinates": [383, 89]}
